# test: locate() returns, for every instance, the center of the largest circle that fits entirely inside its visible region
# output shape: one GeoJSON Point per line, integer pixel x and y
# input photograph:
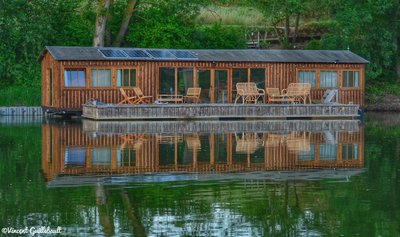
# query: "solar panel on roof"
{"type": "Point", "coordinates": [136, 53]}
{"type": "Point", "coordinates": [183, 54]}
{"type": "Point", "coordinates": [112, 53]}
{"type": "Point", "coordinates": [164, 54]}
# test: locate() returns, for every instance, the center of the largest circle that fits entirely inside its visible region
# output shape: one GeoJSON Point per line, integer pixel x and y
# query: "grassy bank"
{"type": "Point", "coordinates": [20, 96]}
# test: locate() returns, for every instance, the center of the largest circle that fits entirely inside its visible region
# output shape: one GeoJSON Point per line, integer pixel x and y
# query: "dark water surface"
{"type": "Point", "coordinates": [254, 178]}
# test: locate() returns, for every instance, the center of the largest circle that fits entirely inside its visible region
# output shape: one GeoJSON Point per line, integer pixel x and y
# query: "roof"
{"type": "Point", "coordinates": [67, 53]}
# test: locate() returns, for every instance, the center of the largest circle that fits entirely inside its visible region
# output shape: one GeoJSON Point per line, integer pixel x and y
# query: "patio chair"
{"type": "Point", "coordinates": [141, 98]}
{"type": "Point", "coordinates": [127, 99]}
{"type": "Point", "coordinates": [274, 95]}
{"type": "Point", "coordinates": [192, 94]}
{"type": "Point", "coordinates": [248, 143]}
{"type": "Point", "coordinates": [298, 92]}
{"type": "Point", "coordinates": [248, 92]}
{"type": "Point", "coordinates": [193, 142]}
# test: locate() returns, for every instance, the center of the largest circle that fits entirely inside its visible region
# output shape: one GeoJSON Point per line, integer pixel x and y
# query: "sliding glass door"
{"type": "Point", "coordinates": [204, 82]}
{"type": "Point", "coordinates": [167, 81]}
{"type": "Point", "coordinates": [221, 86]}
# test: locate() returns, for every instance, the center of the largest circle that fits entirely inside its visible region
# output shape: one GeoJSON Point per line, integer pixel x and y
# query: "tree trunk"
{"type": "Point", "coordinates": [101, 20]}
{"type": "Point", "coordinates": [108, 34]}
{"type": "Point", "coordinates": [296, 28]}
{"type": "Point", "coordinates": [287, 27]}
{"type": "Point", "coordinates": [125, 22]}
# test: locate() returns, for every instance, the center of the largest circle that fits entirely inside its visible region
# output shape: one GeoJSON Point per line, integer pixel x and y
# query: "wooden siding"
{"type": "Point", "coordinates": [217, 126]}
{"type": "Point", "coordinates": [276, 75]}
{"type": "Point", "coordinates": [148, 158]}
{"type": "Point", "coordinates": [204, 111]}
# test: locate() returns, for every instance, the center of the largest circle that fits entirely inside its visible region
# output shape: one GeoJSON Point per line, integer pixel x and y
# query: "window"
{"type": "Point", "coordinates": [350, 79]}
{"type": "Point", "coordinates": [74, 77]}
{"type": "Point", "coordinates": [257, 75]}
{"type": "Point", "coordinates": [328, 79]}
{"type": "Point", "coordinates": [100, 156]}
{"type": "Point", "coordinates": [239, 75]}
{"type": "Point", "coordinates": [126, 157]}
{"type": "Point", "coordinates": [126, 77]}
{"type": "Point", "coordinates": [349, 151]}
{"type": "Point", "coordinates": [167, 81]}
{"type": "Point", "coordinates": [221, 86]}
{"type": "Point", "coordinates": [306, 76]}
{"type": "Point", "coordinates": [101, 78]}
{"type": "Point", "coordinates": [185, 79]}
{"type": "Point", "coordinates": [74, 157]}
{"type": "Point", "coordinates": [304, 155]}
{"type": "Point", "coordinates": [327, 152]}
{"type": "Point", "coordinates": [204, 82]}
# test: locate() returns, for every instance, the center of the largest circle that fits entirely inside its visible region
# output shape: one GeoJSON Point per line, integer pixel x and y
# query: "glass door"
{"type": "Point", "coordinates": [221, 86]}
{"type": "Point", "coordinates": [238, 75]}
{"type": "Point", "coordinates": [204, 82]}
{"type": "Point", "coordinates": [50, 91]}
{"type": "Point", "coordinates": [167, 81]}
{"type": "Point", "coordinates": [185, 80]}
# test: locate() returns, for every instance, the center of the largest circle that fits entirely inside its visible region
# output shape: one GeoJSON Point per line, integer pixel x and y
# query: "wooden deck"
{"type": "Point", "coordinates": [215, 111]}
{"type": "Point", "coordinates": [217, 127]}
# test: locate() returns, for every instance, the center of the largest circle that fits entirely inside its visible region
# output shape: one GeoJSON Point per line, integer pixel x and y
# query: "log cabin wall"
{"type": "Point", "coordinates": [147, 78]}
{"type": "Point", "coordinates": [51, 82]}
{"type": "Point", "coordinates": [59, 142]}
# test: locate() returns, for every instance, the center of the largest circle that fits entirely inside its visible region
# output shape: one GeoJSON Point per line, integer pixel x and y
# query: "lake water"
{"type": "Point", "coordinates": [201, 178]}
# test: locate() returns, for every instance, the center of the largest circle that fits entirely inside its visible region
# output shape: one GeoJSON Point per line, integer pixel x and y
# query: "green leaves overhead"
{"type": "Point", "coordinates": [368, 28]}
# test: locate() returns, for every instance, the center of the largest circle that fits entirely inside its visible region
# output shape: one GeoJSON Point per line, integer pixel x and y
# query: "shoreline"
{"type": "Point", "coordinates": [387, 103]}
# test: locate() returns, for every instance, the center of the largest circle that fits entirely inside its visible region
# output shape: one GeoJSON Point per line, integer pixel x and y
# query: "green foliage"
{"type": "Point", "coordinates": [318, 26]}
{"type": "Point", "coordinates": [160, 25]}
{"type": "Point", "coordinates": [231, 15]}
{"type": "Point", "coordinates": [368, 29]}
{"type": "Point", "coordinates": [20, 95]}
{"type": "Point", "coordinates": [169, 26]}
{"type": "Point", "coordinates": [218, 37]}
{"type": "Point", "coordinates": [27, 26]}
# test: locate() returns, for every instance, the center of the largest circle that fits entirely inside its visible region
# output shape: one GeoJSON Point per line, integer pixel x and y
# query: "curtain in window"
{"type": "Point", "coordinates": [328, 79]}
{"type": "Point", "coordinates": [74, 78]}
{"type": "Point", "coordinates": [101, 78]}
{"type": "Point", "coordinates": [307, 77]}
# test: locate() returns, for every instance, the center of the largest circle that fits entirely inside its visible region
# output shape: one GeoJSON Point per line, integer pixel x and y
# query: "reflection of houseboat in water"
{"type": "Point", "coordinates": [121, 152]}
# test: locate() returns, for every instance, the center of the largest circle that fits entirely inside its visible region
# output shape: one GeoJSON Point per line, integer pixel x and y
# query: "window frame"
{"type": "Point", "coordinates": [328, 71]}
{"type": "Point", "coordinates": [348, 148]}
{"type": "Point", "coordinates": [98, 69]}
{"type": "Point", "coordinates": [350, 87]}
{"type": "Point", "coordinates": [126, 68]}
{"type": "Point", "coordinates": [340, 76]}
{"type": "Point", "coordinates": [74, 69]}
{"type": "Point", "coordinates": [316, 76]}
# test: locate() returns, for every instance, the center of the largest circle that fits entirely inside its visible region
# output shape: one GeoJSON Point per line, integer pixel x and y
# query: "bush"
{"type": "Point", "coordinates": [20, 96]}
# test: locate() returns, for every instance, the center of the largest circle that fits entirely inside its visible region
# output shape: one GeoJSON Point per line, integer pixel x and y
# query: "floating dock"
{"type": "Point", "coordinates": [217, 127]}
{"type": "Point", "coordinates": [216, 111]}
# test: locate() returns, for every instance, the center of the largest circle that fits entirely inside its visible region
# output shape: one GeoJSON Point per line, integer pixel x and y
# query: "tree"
{"type": "Point", "coordinates": [371, 29]}
{"type": "Point", "coordinates": [125, 22]}
{"type": "Point", "coordinates": [101, 20]}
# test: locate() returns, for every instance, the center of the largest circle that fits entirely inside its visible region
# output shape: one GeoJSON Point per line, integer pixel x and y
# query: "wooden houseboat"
{"type": "Point", "coordinates": [73, 75]}
{"type": "Point", "coordinates": [171, 148]}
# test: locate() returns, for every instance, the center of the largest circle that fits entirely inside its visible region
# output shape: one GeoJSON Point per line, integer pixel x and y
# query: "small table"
{"type": "Point", "coordinates": [170, 98]}
{"type": "Point", "coordinates": [279, 99]}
